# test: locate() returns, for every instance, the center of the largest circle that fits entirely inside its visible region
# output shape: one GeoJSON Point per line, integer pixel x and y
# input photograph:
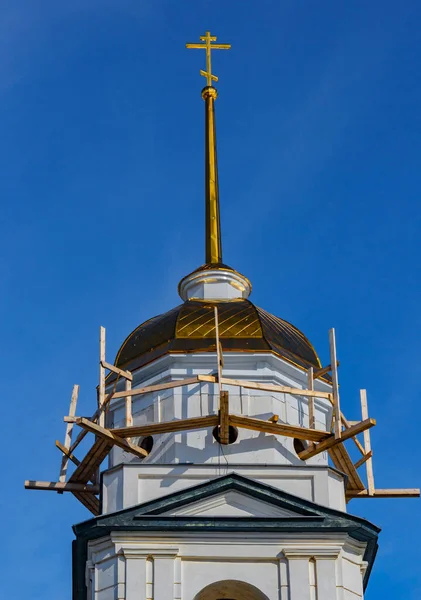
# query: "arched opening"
{"type": "Point", "coordinates": [146, 443]}
{"type": "Point", "coordinates": [300, 445]}
{"type": "Point", "coordinates": [230, 589]}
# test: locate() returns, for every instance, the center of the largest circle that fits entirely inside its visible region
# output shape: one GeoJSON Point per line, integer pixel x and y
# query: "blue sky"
{"type": "Point", "coordinates": [102, 214]}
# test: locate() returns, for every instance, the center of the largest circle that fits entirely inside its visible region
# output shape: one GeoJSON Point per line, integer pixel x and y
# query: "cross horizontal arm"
{"type": "Point", "coordinates": [206, 74]}
{"type": "Point", "coordinates": [213, 46]}
{"type": "Point", "coordinates": [196, 46]}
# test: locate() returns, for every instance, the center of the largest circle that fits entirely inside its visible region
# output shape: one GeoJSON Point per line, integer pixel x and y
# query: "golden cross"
{"type": "Point", "coordinates": [209, 46]}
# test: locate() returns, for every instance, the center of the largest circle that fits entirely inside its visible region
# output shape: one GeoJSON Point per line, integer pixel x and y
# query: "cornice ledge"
{"type": "Point", "coordinates": [318, 552]}
{"type": "Point", "coordinates": [130, 550]}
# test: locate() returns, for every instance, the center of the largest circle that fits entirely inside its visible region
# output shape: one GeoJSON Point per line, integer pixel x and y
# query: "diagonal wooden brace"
{"type": "Point", "coordinates": [332, 441]}
{"type": "Point", "coordinates": [108, 435]}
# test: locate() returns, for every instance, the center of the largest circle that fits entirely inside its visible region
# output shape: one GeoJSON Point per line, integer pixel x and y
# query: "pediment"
{"type": "Point", "coordinates": [229, 496]}
{"type": "Point", "coordinates": [243, 503]}
{"type": "Point", "coordinates": [230, 503]}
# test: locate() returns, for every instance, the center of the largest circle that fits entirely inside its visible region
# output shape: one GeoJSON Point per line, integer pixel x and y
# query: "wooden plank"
{"type": "Point", "coordinates": [68, 434]}
{"type": "Point", "coordinates": [268, 387]}
{"type": "Point", "coordinates": [337, 460]}
{"type": "Point", "coordinates": [126, 374]}
{"type": "Point", "coordinates": [363, 459]}
{"type": "Point", "coordinates": [167, 427]}
{"type": "Point", "coordinates": [208, 378]}
{"type": "Point", "coordinates": [59, 486]}
{"type": "Point", "coordinates": [340, 456]}
{"type": "Point", "coordinates": [367, 443]}
{"type": "Point", "coordinates": [224, 417]}
{"type": "Point", "coordinates": [160, 386]}
{"type": "Point", "coordinates": [91, 461]}
{"type": "Point", "coordinates": [385, 493]}
{"type": "Point", "coordinates": [335, 385]}
{"type": "Point", "coordinates": [78, 439]}
{"type": "Point", "coordinates": [94, 418]}
{"type": "Point", "coordinates": [90, 501]}
{"type": "Point", "coordinates": [320, 372]}
{"type": "Point", "coordinates": [332, 441]}
{"type": "Point", "coordinates": [310, 378]}
{"type": "Point", "coordinates": [278, 428]}
{"type": "Point", "coordinates": [101, 387]}
{"type": "Point", "coordinates": [106, 434]}
{"type": "Point", "coordinates": [128, 406]}
{"type": "Point", "coordinates": [73, 459]}
{"type": "Point", "coordinates": [69, 454]}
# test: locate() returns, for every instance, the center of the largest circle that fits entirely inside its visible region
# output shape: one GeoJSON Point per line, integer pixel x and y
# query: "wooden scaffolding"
{"type": "Point", "coordinates": [83, 483]}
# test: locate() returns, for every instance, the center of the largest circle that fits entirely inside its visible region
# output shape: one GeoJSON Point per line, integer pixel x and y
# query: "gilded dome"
{"type": "Point", "coordinates": [190, 327]}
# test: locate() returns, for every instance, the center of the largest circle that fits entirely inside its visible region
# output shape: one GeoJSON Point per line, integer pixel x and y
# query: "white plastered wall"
{"type": "Point", "coordinates": [254, 454]}
{"type": "Point", "coordinates": [130, 484]}
{"type": "Point", "coordinates": [137, 567]}
{"type": "Point", "coordinates": [197, 400]}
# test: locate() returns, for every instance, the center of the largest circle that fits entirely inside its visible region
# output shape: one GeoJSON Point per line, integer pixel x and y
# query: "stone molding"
{"type": "Point", "coordinates": [317, 552]}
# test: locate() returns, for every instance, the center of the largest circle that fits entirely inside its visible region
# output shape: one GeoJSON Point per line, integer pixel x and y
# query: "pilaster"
{"type": "Point", "coordinates": [312, 571]}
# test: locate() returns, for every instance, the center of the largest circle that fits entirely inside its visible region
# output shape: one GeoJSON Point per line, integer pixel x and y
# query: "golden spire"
{"type": "Point", "coordinates": [209, 94]}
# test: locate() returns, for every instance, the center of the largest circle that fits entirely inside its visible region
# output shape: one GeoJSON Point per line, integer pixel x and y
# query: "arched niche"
{"type": "Point", "coordinates": [230, 589]}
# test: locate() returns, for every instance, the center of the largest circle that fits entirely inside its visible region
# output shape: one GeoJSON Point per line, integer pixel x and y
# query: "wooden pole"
{"type": "Point", "coordinates": [218, 350]}
{"type": "Point", "coordinates": [223, 395]}
{"type": "Point", "coordinates": [129, 418]}
{"type": "Point", "coordinates": [68, 435]}
{"type": "Point", "coordinates": [335, 385]}
{"type": "Point", "coordinates": [310, 379]}
{"type": "Point", "coordinates": [101, 389]}
{"type": "Point", "coordinates": [367, 444]}
{"type": "Point", "coordinates": [224, 417]}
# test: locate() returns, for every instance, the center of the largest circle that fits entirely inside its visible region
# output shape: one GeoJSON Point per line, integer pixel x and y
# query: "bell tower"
{"type": "Point", "coordinates": [219, 464]}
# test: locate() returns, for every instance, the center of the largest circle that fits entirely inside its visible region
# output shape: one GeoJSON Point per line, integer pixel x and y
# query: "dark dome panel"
{"type": "Point", "coordinates": [190, 327]}
{"type": "Point", "coordinates": [237, 318]}
{"type": "Point", "coordinates": [282, 336]}
{"type": "Point", "coordinates": [148, 336]}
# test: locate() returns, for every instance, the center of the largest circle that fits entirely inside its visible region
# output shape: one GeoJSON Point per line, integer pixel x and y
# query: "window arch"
{"type": "Point", "coordinates": [230, 589]}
